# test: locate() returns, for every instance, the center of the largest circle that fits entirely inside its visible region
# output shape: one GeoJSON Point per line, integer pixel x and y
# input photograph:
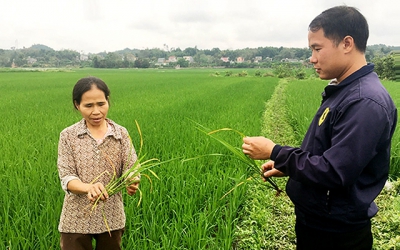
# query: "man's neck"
{"type": "Point", "coordinates": [357, 63]}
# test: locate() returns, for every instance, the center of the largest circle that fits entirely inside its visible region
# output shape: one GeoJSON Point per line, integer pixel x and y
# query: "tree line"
{"type": "Point", "coordinates": [39, 55]}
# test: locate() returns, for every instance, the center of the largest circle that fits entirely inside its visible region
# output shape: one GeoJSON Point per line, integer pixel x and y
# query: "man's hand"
{"type": "Point", "coordinates": [268, 170]}
{"type": "Point", "coordinates": [258, 148]}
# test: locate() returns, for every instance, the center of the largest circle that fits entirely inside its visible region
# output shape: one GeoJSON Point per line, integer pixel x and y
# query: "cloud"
{"type": "Point", "coordinates": [102, 25]}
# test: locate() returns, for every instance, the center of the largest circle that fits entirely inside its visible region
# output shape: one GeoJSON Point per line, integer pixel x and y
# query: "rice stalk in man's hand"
{"type": "Point", "coordinates": [238, 154]}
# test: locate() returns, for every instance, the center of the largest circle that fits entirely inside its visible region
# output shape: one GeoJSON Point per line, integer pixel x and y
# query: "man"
{"type": "Point", "coordinates": [343, 162]}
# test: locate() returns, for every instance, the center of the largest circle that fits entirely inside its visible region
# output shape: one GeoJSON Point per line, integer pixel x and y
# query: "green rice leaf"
{"type": "Point", "coordinates": [237, 153]}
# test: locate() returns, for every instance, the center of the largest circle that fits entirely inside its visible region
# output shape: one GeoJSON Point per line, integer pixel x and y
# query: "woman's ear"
{"type": "Point", "coordinates": [76, 105]}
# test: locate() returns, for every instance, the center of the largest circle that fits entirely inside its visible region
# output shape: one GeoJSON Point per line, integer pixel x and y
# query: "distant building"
{"type": "Point", "coordinates": [130, 57]}
{"type": "Point", "coordinates": [188, 58]}
{"type": "Point", "coordinates": [257, 59]}
{"type": "Point", "coordinates": [239, 59]}
{"type": "Point", "coordinates": [289, 60]}
{"type": "Point", "coordinates": [225, 59]}
{"type": "Point", "coordinates": [161, 61]}
{"type": "Point", "coordinates": [172, 59]}
{"type": "Point", "coordinates": [83, 57]}
{"type": "Point", "coordinates": [31, 60]}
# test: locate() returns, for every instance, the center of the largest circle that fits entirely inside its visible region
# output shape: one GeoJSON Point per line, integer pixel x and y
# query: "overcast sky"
{"type": "Point", "coordinates": [94, 26]}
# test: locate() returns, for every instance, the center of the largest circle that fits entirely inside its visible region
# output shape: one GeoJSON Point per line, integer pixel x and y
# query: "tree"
{"type": "Point", "coordinates": [113, 60]}
{"type": "Point", "coordinates": [232, 54]}
{"type": "Point", "coordinates": [18, 59]}
{"type": "Point", "coordinates": [269, 52]}
{"type": "Point", "coordinates": [96, 63]}
{"type": "Point", "coordinates": [4, 59]}
{"type": "Point", "coordinates": [204, 60]}
{"type": "Point", "coordinates": [302, 54]}
{"type": "Point", "coordinates": [125, 62]}
{"type": "Point", "coordinates": [183, 63]}
{"type": "Point", "coordinates": [142, 63]}
{"type": "Point", "coordinates": [396, 57]}
{"type": "Point", "coordinates": [190, 51]}
{"type": "Point", "coordinates": [177, 52]}
{"type": "Point", "coordinates": [285, 53]}
{"type": "Point", "coordinates": [385, 67]}
{"type": "Point", "coordinates": [214, 52]}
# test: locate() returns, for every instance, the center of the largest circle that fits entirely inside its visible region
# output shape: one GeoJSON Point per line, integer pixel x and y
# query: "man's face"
{"type": "Point", "coordinates": [327, 58]}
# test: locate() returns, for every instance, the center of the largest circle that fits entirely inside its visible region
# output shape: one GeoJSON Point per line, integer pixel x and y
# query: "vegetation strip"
{"type": "Point", "coordinates": [267, 220]}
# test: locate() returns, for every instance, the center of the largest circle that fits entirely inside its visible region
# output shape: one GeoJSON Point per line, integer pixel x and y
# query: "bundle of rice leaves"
{"type": "Point", "coordinates": [237, 153]}
{"type": "Point", "coordinates": [131, 175]}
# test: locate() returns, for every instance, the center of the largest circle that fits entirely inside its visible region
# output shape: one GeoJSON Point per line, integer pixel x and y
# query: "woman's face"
{"type": "Point", "coordinates": [93, 107]}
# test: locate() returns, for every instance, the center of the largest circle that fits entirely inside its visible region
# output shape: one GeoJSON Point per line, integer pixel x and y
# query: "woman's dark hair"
{"type": "Point", "coordinates": [341, 21]}
{"type": "Point", "coordinates": [84, 85]}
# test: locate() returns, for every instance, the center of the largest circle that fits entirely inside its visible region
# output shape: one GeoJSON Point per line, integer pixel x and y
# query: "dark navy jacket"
{"type": "Point", "coordinates": [343, 162]}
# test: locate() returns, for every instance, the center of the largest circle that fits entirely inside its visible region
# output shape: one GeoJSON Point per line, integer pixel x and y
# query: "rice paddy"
{"type": "Point", "coordinates": [184, 209]}
{"type": "Point", "coordinates": [181, 210]}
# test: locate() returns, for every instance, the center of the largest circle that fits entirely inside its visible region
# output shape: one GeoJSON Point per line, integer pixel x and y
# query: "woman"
{"type": "Point", "coordinates": [88, 154]}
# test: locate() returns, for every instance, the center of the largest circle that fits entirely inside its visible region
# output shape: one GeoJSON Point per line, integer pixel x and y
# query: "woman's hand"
{"type": "Point", "coordinates": [131, 190]}
{"type": "Point", "coordinates": [95, 191]}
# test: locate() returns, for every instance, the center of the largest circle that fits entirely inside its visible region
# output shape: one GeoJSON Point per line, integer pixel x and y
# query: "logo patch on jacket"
{"type": "Point", "coordinates": [323, 116]}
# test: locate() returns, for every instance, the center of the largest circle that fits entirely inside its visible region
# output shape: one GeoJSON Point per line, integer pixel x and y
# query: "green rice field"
{"type": "Point", "coordinates": [182, 209]}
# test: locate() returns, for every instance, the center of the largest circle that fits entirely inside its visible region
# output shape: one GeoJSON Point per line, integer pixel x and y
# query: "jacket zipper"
{"type": "Point", "coordinates": [328, 202]}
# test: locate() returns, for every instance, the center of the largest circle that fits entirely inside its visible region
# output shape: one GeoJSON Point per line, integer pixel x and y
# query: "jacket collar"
{"type": "Point", "coordinates": [332, 88]}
